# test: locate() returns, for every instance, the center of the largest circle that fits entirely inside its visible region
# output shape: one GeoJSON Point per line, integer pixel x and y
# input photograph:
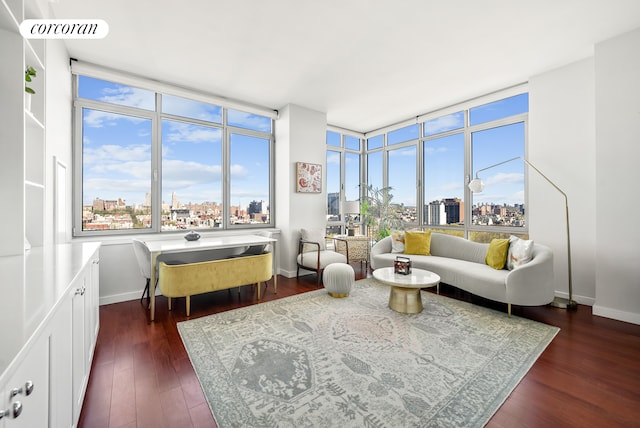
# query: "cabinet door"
{"type": "Point", "coordinates": [60, 407]}
{"type": "Point", "coordinates": [35, 406]}
{"type": "Point", "coordinates": [78, 291]}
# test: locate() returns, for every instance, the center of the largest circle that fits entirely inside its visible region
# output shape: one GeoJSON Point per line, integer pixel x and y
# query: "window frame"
{"type": "Point", "coordinates": [343, 150]}
{"type": "Point", "coordinates": [157, 117]}
{"type": "Point", "coordinates": [469, 170]}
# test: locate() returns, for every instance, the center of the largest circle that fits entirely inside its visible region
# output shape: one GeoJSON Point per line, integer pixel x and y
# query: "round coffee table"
{"type": "Point", "coordinates": [405, 289]}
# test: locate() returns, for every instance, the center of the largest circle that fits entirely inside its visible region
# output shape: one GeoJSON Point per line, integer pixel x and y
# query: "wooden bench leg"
{"type": "Point", "coordinates": [169, 300]}
{"type": "Point", "coordinates": [188, 305]}
{"type": "Point", "coordinates": [258, 291]}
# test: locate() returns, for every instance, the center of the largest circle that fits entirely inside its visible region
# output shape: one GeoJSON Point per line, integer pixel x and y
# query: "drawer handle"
{"type": "Point", "coordinates": [80, 291]}
{"type": "Point", "coordinates": [26, 390]}
{"type": "Point", "coordinates": [14, 411]}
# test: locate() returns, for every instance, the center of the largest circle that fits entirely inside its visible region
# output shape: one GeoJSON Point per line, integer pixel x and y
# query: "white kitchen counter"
{"type": "Point", "coordinates": [31, 287]}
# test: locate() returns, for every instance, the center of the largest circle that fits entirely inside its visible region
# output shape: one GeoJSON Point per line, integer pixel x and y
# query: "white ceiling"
{"type": "Point", "coordinates": [366, 63]}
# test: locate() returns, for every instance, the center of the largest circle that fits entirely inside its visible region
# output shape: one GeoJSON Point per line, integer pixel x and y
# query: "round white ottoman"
{"type": "Point", "coordinates": [338, 278]}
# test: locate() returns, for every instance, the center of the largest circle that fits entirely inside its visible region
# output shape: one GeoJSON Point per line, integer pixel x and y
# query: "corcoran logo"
{"type": "Point", "coordinates": [64, 29]}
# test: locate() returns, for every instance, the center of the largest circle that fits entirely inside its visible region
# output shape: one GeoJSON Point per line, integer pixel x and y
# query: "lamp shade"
{"type": "Point", "coordinates": [476, 185]}
{"type": "Point", "coordinates": [351, 207]}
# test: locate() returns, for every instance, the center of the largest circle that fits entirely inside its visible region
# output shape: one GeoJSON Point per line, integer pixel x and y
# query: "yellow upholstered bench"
{"type": "Point", "coordinates": [186, 280]}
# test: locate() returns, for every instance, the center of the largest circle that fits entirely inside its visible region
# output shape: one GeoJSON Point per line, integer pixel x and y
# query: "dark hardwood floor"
{"type": "Point", "coordinates": [589, 376]}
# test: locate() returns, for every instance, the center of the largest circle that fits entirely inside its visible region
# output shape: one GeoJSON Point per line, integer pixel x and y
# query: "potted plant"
{"type": "Point", "coordinates": [28, 74]}
{"type": "Point", "coordinates": [379, 214]}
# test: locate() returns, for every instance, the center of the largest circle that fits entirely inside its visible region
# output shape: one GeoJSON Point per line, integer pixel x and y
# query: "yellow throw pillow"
{"type": "Point", "coordinates": [417, 243]}
{"type": "Point", "coordinates": [497, 253]}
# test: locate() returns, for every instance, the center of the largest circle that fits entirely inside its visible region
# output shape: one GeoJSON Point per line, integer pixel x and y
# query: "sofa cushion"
{"type": "Point", "coordinates": [455, 247]}
{"type": "Point", "coordinates": [417, 243]}
{"type": "Point", "coordinates": [497, 253]}
{"type": "Point", "coordinates": [520, 252]}
{"type": "Point", "coordinates": [397, 241]}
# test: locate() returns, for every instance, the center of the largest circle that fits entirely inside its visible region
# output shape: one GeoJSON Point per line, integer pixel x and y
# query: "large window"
{"type": "Point", "coordinates": [343, 178]}
{"type": "Point", "coordinates": [427, 165]}
{"type": "Point", "coordinates": [153, 162]}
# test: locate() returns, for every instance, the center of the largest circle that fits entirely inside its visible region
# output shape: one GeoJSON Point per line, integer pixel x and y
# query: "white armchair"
{"type": "Point", "coordinates": [313, 253]}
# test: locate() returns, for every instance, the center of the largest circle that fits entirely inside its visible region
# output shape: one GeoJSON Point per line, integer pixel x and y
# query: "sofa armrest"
{"type": "Point", "coordinates": [381, 247]}
{"type": "Point", "coordinates": [532, 284]}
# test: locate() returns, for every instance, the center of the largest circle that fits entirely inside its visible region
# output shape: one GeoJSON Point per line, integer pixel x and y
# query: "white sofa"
{"type": "Point", "coordinates": [461, 263]}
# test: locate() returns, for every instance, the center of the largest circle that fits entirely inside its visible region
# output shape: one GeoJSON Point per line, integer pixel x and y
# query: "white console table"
{"type": "Point", "coordinates": [167, 246]}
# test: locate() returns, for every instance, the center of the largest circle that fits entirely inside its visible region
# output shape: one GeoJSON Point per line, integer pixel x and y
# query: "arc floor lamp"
{"type": "Point", "coordinates": [476, 186]}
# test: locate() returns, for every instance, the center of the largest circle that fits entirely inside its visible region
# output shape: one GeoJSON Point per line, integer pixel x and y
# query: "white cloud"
{"type": "Point", "coordinates": [248, 120]}
{"type": "Point", "coordinates": [188, 173]}
{"type": "Point", "coordinates": [333, 158]}
{"type": "Point", "coordinates": [110, 153]}
{"type": "Point", "coordinates": [451, 121]}
{"type": "Point", "coordinates": [103, 187]}
{"type": "Point", "coordinates": [184, 132]}
{"type": "Point", "coordinates": [504, 178]}
{"type": "Point", "coordinates": [129, 96]}
{"type": "Point", "coordinates": [100, 119]}
{"type": "Point", "coordinates": [429, 150]}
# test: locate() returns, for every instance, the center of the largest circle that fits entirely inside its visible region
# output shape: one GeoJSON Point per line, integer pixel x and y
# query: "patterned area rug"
{"type": "Point", "coordinates": [314, 361]}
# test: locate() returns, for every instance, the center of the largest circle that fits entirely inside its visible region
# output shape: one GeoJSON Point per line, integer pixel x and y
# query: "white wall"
{"type": "Point", "coordinates": [58, 120]}
{"type": "Point", "coordinates": [301, 137]}
{"type": "Point", "coordinates": [617, 65]}
{"type": "Point", "coordinates": [562, 146]}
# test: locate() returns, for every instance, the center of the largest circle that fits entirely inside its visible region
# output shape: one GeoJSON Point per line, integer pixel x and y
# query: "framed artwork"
{"type": "Point", "coordinates": [308, 177]}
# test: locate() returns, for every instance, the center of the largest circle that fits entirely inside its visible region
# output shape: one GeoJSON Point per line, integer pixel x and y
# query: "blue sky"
{"type": "Point", "coordinates": [117, 153]}
{"type": "Point", "coordinates": [444, 157]}
{"type": "Point", "coordinates": [117, 149]}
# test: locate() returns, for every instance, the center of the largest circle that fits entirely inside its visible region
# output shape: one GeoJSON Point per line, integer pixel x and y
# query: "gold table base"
{"type": "Point", "coordinates": [405, 300]}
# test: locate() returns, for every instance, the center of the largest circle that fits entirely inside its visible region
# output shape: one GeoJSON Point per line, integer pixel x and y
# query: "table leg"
{"type": "Point", "coordinates": [275, 268]}
{"type": "Point", "coordinates": [152, 286]}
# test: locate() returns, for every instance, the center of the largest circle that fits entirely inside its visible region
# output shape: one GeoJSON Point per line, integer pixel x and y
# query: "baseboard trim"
{"type": "Point", "coordinates": [616, 314]}
{"type": "Point", "coordinates": [122, 297]}
{"type": "Point", "coordinates": [583, 300]}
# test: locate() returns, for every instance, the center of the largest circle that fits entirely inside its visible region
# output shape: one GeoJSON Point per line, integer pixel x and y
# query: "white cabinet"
{"type": "Point", "coordinates": [61, 389]}
{"type": "Point", "coordinates": [85, 321]}
{"type": "Point", "coordinates": [50, 314]}
{"type": "Point", "coordinates": [27, 391]}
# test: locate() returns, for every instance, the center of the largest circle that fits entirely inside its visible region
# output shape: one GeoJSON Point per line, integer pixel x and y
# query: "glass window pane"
{"type": "Point", "coordinates": [352, 143]}
{"type": "Point", "coordinates": [191, 176]}
{"type": "Point", "coordinates": [115, 93]}
{"type": "Point", "coordinates": [116, 171]}
{"type": "Point", "coordinates": [179, 106]}
{"type": "Point", "coordinates": [375, 142]}
{"type": "Point", "coordinates": [333, 185]}
{"type": "Point", "coordinates": [499, 109]}
{"type": "Point", "coordinates": [333, 139]}
{"type": "Point", "coordinates": [374, 170]}
{"type": "Point", "coordinates": [444, 180]}
{"type": "Point", "coordinates": [443, 124]}
{"type": "Point", "coordinates": [245, 120]}
{"type": "Point", "coordinates": [402, 180]}
{"type": "Point", "coordinates": [351, 176]}
{"type": "Point", "coordinates": [502, 201]}
{"type": "Point", "coordinates": [401, 135]}
{"type": "Point", "coordinates": [250, 179]}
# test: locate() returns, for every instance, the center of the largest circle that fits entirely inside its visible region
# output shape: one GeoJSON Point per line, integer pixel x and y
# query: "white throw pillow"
{"type": "Point", "coordinates": [397, 241]}
{"type": "Point", "coordinates": [520, 252]}
{"type": "Point", "coordinates": [313, 235]}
